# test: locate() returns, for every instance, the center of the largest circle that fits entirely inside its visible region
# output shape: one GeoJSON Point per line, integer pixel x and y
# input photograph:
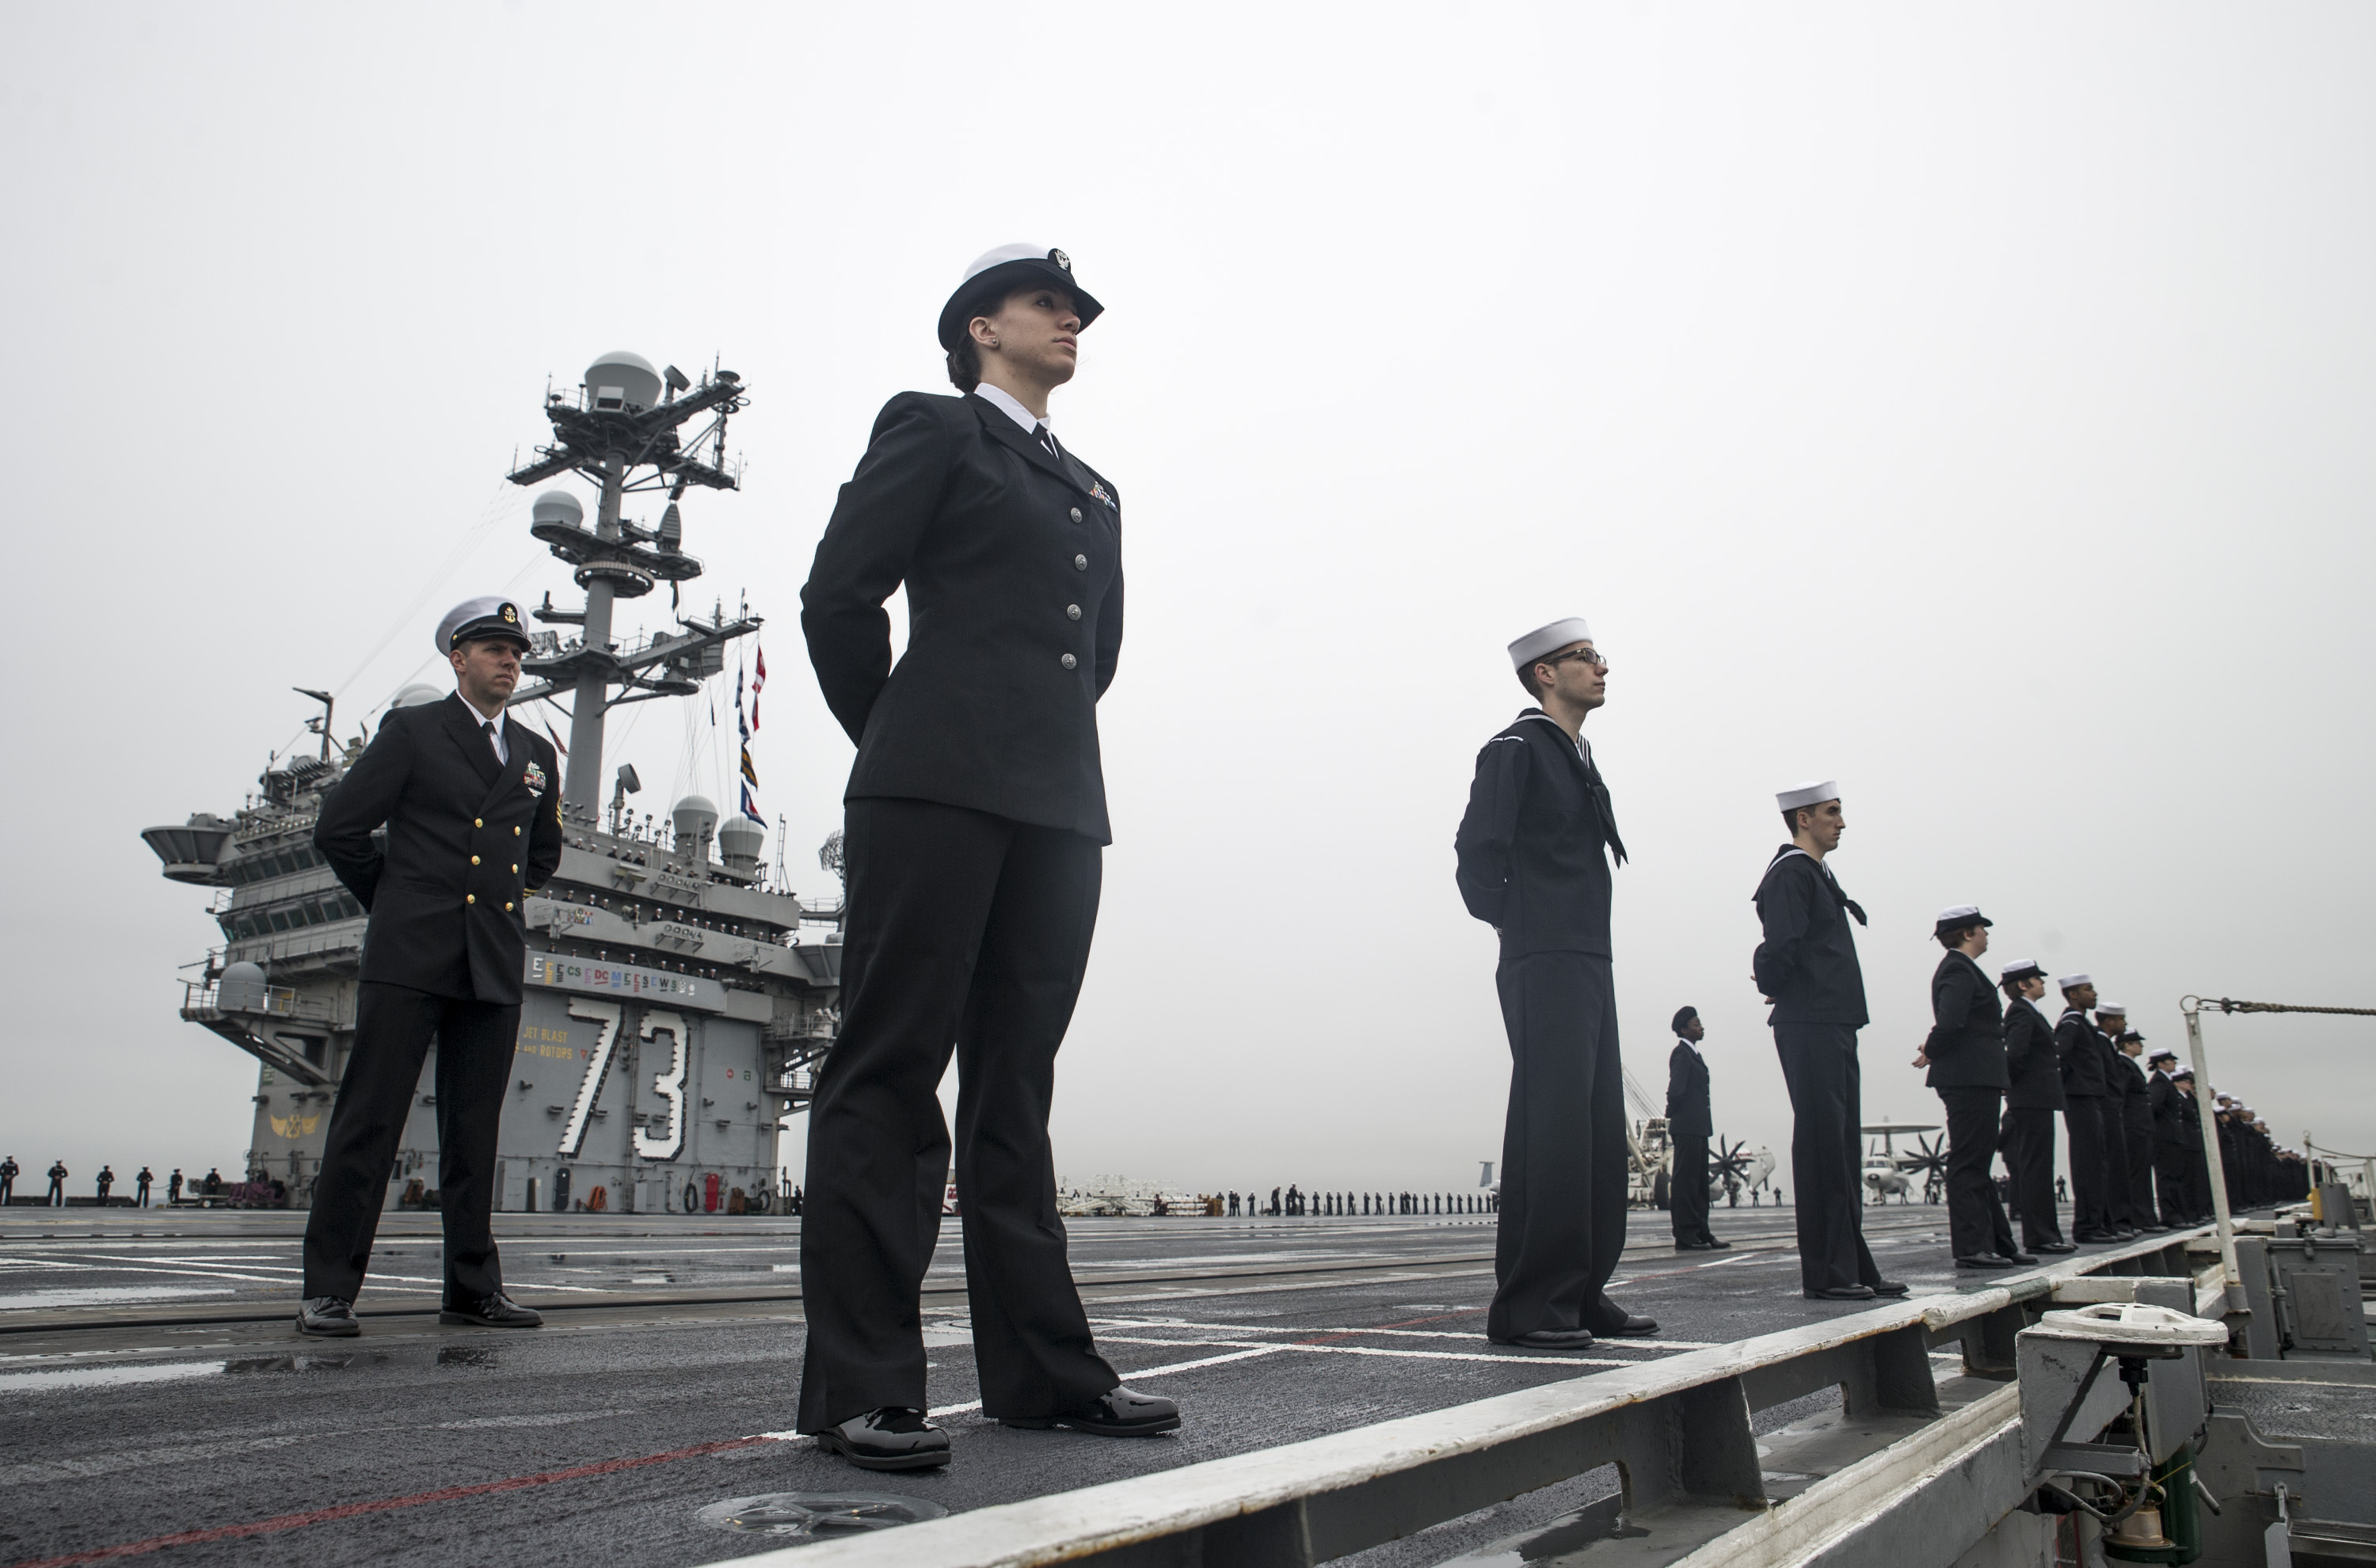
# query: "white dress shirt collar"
{"type": "Point", "coordinates": [502, 753]}
{"type": "Point", "coordinates": [1007, 403]}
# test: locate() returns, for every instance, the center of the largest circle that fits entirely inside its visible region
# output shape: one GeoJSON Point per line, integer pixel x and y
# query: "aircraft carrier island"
{"type": "Point", "coordinates": [678, 997]}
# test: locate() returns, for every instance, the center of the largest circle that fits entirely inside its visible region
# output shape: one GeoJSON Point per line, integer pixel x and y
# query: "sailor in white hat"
{"type": "Point", "coordinates": [471, 804]}
{"type": "Point", "coordinates": [976, 823]}
{"type": "Point", "coordinates": [1965, 1053]}
{"type": "Point", "coordinates": [2030, 1104]}
{"type": "Point", "coordinates": [1807, 970]}
{"type": "Point", "coordinates": [1534, 863]}
{"type": "Point", "coordinates": [2091, 1117]}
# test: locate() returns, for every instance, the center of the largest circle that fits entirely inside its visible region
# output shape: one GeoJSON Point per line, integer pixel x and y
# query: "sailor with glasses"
{"type": "Point", "coordinates": [1534, 864]}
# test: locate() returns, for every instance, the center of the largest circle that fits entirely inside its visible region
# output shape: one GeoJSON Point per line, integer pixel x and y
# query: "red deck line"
{"type": "Point", "coordinates": [355, 1509]}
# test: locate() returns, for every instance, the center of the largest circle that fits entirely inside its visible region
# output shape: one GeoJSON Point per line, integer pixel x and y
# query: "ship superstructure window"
{"type": "Point", "coordinates": [280, 862]}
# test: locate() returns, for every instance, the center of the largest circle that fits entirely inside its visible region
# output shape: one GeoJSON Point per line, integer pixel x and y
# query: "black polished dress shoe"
{"type": "Point", "coordinates": [497, 1311]}
{"type": "Point", "coordinates": [1719, 1247]}
{"type": "Point", "coordinates": [1695, 1246]}
{"type": "Point", "coordinates": [1634, 1327]}
{"type": "Point", "coordinates": [2056, 1246]}
{"type": "Point", "coordinates": [327, 1318]}
{"type": "Point", "coordinates": [895, 1437]}
{"type": "Point", "coordinates": [1984, 1260]}
{"type": "Point", "coordinates": [2022, 1258]}
{"type": "Point", "coordinates": [1549, 1339]}
{"type": "Point", "coordinates": [1891, 1288]}
{"type": "Point", "coordinates": [1118, 1412]}
{"type": "Point", "coordinates": [2094, 1238]}
{"type": "Point", "coordinates": [1842, 1293]}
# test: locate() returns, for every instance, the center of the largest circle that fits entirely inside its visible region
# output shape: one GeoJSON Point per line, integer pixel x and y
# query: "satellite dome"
{"type": "Point", "coordinates": [740, 840]}
{"type": "Point", "coordinates": [240, 989]}
{"type": "Point", "coordinates": [622, 383]}
{"type": "Point", "coordinates": [558, 507]}
{"type": "Point", "coordinates": [694, 818]}
{"type": "Point", "coordinates": [414, 696]}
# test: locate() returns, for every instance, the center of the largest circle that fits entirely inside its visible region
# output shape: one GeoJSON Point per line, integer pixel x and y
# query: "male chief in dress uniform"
{"type": "Point", "coordinates": [2030, 1105]}
{"type": "Point", "coordinates": [2090, 1114]}
{"type": "Point", "coordinates": [1690, 1122]}
{"type": "Point", "coordinates": [1533, 851]}
{"type": "Point", "coordinates": [1806, 969]}
{"type": "Point", "coordinates": [471, 802]}
{"type": "Point", "coordinates": [975, 820]}
{"type": "Point", "coordinates": [1965, 1053]}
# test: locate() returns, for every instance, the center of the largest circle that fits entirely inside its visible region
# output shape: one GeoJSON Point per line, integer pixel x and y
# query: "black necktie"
{"type": "Point", "coordinates": [495, 741]}
{"type": "Point", "coordinates": [1048, 439]}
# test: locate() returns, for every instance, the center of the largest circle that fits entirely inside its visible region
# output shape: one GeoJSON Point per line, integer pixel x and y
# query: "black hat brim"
{"type": "Point", "coordinates": [490, 629]}
{"type": "Point", "coordinates": [985, 288]}
{"type": "Point", "coordinates": [1943, 927]}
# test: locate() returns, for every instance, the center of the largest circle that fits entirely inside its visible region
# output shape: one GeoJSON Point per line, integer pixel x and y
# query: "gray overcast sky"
{"type": "Point", "coordinates": [1970, 403]}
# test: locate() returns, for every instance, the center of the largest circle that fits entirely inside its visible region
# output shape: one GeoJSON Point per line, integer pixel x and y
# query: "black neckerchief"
{"type": "Point", "coordinates": [1593, 785]}
{"type": "Point", "coordinates": [1840, 893]}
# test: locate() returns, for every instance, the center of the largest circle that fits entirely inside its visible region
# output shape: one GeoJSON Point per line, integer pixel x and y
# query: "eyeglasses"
{"type": "Point", "coordinates": [1589, 655]}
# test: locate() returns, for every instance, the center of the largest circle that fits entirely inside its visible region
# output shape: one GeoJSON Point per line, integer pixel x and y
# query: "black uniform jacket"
{"type": "Point", "coordinates": [1530, 846]}
{"type": "Point", "coordinates": [2136, 1097]}
{"type": "Point", "coordinates": [2173, 1110]}
{"type": "Point", "coordinates": [1807, 964]}
{"type": "Point", "coordinates": [2030, 1062]}
{"type": "Point", "coordinates": [2084, 1051]}
{"type": "Point", "coordinates": [468, 839]}
{"type": "Point", "coordinates": [1012, 557]}
{"type": "Point", "coordinates": [1687, 1093]}
{"type": "Point", "coordinates": [1967, 1045]}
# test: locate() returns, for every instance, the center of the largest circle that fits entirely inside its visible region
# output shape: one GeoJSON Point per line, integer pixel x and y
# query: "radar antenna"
{"type": "Point", "coordinates": [625, 417]}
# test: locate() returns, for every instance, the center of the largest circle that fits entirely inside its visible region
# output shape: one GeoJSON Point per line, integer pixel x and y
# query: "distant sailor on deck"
{"type": "Point", "coordinates": [1690, 1122]}
{"type": "Point", "coordinates": [2137, 1129]}
{"type": "Point", "coordinates": [2030, 1105]}
{"type": "Point", "coordinates": [2172, 1110]}
{"type": "Point", "coordinates": [471, 802]}
{"type": "Point", "coordinates": [1965, 1053]}
{"type": "Point", "coordinates": [1806, 968]}
{"type": "Point", "coordinates": [1533, 851]}
{"type": "Point", "coordinates": [976, 822]}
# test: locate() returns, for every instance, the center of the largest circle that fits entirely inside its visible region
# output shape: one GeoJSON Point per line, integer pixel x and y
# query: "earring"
{"type": "Point", "coordinates": [993, 342]}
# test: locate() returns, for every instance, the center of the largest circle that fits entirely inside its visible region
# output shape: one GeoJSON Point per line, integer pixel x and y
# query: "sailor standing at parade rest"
{"type": "Point", "coordinates": [2123, 1089]}
{"type": "Point", "coordinates": [1965, 1053]}
{"type": "Point", "coordinates": [471, 802]}
{"type": "Point", "coordinates": [975, 822]}
{"type": "Point", "coordinates": [1806, 969]}
{"type": "Point", "coordinates": [2030, 1104]}
{"type": "Point", "coordinates": [2136, 1124]}
{"type": "Point", "coordinates": [2089, 1113]}
{"type": "Point", "coordinates": [1533, 851]}
{"type": "Point", "coordinates": [1690, 1122]}
{"type": "Point", "coordinates": [2170, 1108]}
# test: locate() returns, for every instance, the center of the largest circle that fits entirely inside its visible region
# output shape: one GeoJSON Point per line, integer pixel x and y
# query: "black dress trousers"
{"type": "Point", "coordinates": [2092, 1214]}
{"type": "Point", "coordinates": [967, 932]}
{"type": "Point", "coordinates": [1687, 1188]}
{"type": "Point", "coordinates": [2171, 1185]}
{"type": "Point", "coordinates": [1563, 1223]}
{"type": "Point", "coordinates": [1976, 1220]}
{"type": "Point", "coordinates": [1819, 1064]}
{"type": "Point", "coordinates": [394, 1026]}
{"type": "Point", "coordinates": [2028, 1139]}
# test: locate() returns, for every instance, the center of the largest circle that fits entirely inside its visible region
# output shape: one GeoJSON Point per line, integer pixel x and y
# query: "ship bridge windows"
{"type": "Point", "coordinates": [279, 862]}
{"type": "Point", "coordinates": [323, 909]}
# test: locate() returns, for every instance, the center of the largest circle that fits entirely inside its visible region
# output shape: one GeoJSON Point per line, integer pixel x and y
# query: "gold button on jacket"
{"type": "Point", "coordinates": [470, 898]}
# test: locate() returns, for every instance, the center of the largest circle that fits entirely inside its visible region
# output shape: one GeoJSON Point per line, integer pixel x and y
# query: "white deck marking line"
{"type": "Point", "coordinates": [1614, 1342]}
{"type": "Point", "coordinates": [1139, 1372]}
{"type": "Point", "coordinates": [1375, 1350]}
{"type": "Point", "coordinates": [135, 1268]}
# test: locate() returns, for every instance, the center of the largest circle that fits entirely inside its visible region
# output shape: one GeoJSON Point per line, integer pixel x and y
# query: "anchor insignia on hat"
{"type": "Point", "coordinates": [510, 614]}
{"type": "Point", "coordinates": [1060, 260]}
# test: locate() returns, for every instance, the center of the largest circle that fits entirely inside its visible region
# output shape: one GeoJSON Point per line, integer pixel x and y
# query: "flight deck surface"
{"type": "Point", "coordinates": [153, 1395]}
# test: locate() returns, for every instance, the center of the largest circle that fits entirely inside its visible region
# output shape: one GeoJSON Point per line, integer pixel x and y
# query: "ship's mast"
{"type": "Point", "coordinates": [625, 417]}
